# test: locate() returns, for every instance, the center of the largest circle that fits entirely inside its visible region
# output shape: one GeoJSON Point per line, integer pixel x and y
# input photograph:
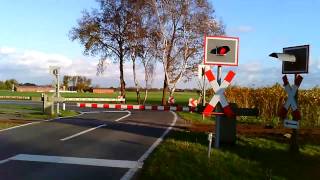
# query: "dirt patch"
{"type": "Point", "coordinates": [305, 134]}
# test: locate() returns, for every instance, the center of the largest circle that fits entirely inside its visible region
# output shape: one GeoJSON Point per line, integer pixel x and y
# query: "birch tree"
{"type": "Point", "coordinates": [182, 26]}
{"type": "Point", "coordinates": [104, 32]}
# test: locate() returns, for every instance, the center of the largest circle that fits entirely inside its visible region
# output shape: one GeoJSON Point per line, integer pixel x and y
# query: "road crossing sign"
{"type": "Point", "coordinates": [291, 102]}
{"type": "Point", "coordinates": [291, 124]}
{"type": "Point", "coordinates": [54, 70]}
{"type": "Point", "coordinates": [219, 94]}
{"type": "Point", "coordinates": [221, 50]}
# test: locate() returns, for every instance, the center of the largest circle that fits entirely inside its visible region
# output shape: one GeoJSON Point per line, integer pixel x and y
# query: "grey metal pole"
{"type": "Point", "coordinates": [218, 109]}
{"type": "Point", "coordinates": [294, 146]}
{"type": "Point", "coordinates": [57, 90]}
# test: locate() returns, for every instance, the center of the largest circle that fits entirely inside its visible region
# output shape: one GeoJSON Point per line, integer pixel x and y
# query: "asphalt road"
{"type": "Point", "coordinates": [93, 145]}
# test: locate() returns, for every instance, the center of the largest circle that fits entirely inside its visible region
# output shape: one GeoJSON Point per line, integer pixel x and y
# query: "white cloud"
{"type": "Point", "coordinates": [7, 50]}
{"type": "Point", "coordinates": [33, 66]}
{"type": "Point", "coordinates": [242, 29]}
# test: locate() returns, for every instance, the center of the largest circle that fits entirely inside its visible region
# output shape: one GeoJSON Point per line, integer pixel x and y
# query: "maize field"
{"type": "Point", "coordinates": [269, 100]}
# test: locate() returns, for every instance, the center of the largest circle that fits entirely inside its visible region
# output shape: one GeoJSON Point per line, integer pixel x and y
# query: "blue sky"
{"type": "Point", "coordinates": [41, 25]}
{"type": "Point", "coordinates": [34, 33]}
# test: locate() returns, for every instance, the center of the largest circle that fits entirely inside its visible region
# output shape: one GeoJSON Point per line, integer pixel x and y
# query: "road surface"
{"type": "Point", "coordinates": [94, 145]}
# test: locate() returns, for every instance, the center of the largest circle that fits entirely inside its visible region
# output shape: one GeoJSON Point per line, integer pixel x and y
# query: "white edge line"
{"type": "Point", "coordinates": [20, 126]}
{"type": "Point", "coordinates": [37, 122]}
{"type": "Point", "coordinates": [131, 172]}
{"type": "Point", "coordinates": [4, 161]}
{"type": "Point", "coordinates": [119, 119]}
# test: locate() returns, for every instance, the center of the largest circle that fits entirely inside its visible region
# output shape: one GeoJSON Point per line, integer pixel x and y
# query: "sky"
{"type": "Point", "coordinates": [34, 35]}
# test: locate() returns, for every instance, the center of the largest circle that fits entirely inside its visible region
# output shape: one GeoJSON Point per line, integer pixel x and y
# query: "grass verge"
{"type": "Point", "coordinates": [183, 155]}
{"type": "Point", "coordinates": [195, 117]}
{"type": "Point", "coordinates": [5, 125]}
{"type": "Point", "coordinates": [13, 115]}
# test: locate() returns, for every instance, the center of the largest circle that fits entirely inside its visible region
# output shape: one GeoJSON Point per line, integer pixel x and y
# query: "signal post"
{"type": "Point", "coordinates": [295, 60]}
{"type": "Point", "coordinates": [220, 51]}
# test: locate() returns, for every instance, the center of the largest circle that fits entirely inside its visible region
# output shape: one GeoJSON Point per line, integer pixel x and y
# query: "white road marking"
{"type": "Point", "coordinates": [130, 173]}
{"type": "Point", "coordinates": [82, 132]}
{"type": "Point", "coordinates": [94, 128]}
{"type": "Point", "coordinates": [75, 160]}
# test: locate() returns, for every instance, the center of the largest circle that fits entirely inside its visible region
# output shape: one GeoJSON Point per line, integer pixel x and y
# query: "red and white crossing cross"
{"type": "Point", "coordinates": [171, 100]}
{"type": "Point", "coordinates": [291, 102]}
{"type": "Point", "coordinates": [219, 94]}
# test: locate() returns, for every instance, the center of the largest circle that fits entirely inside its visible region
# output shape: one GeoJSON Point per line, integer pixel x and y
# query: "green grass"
{"type": "Point", "coordinates": [15, 107]}
{"type": "Point", "coordinates": [10, 93]}
{"type": "Point", "coordinates": [183, 155]}
{"type": "Point", "coordinates": [195, 117]}
{"type": "Point", "coordinates": [67, 113]}
{"type": "Point", "coordinates": [40, 116]}
{"type": "Point", "coordinates": [182, 98]}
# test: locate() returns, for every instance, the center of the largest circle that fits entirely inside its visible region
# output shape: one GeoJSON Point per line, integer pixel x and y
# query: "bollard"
{"type": "Point", "coordinates": [210, 142]}
{"type": "Point", "coordinates": [48, 106]}
{"type": "Point", "coordinates": [58, 112]}
{"type": "Point", "coordinates": [63, 106]}
{"type": "Point", "coordinates": [43, 106]}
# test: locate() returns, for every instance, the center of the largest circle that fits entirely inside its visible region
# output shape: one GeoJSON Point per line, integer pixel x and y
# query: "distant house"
{"type": "Point", "coordinates": [103, 90]}
{"type": "Point", "coordinates": [34, 89]}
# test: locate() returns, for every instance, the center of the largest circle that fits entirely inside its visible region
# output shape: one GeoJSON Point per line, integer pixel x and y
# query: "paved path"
{"type": "Point", "coordinates": [94, 145]}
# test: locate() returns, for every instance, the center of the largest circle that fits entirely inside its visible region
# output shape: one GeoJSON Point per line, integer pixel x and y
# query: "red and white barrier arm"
{"type": "Point", "coordinates": [135, 107]}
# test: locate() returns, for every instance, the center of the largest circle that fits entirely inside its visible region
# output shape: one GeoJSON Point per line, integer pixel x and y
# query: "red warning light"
{"type": "Point", "coordinates": [220, 51]}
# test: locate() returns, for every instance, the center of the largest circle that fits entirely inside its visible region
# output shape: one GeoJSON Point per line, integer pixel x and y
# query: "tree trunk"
{"type": "Point", "coordinates": [145, 96]}
{"type": "Point", "coordinates": [164, 91]}
{"type": "Point", "coordinates": [122, 82]}
{"type": "Point", "coordinates": [135, 80]}
{"type": "Point", "coordinates": [172, 90]}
